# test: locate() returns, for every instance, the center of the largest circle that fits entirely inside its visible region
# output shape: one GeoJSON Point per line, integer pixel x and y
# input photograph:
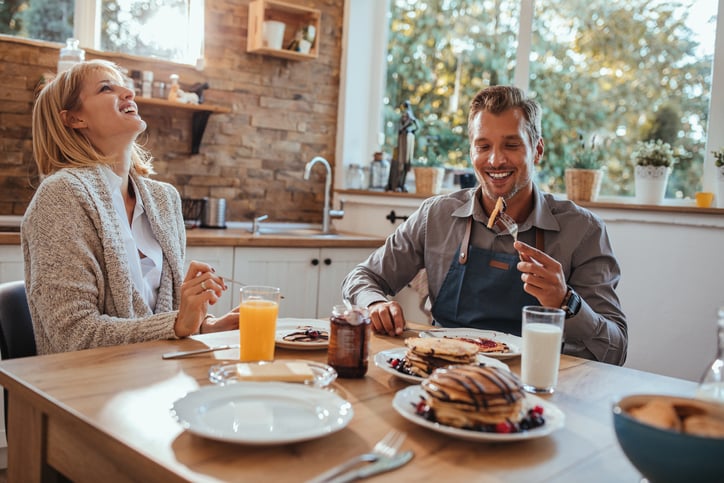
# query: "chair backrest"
{"type": "Point", "coordinates": [17, 338]}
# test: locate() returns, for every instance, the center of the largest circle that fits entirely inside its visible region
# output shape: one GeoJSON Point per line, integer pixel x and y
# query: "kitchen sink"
{"type": "Point", "coordinates": [301, 230]}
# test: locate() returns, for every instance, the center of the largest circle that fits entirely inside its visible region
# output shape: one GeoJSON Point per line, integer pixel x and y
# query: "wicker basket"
{"type": "Point", "coordinates": [428, 180]}
{"type": "Point", "coordinates": [583, 184]}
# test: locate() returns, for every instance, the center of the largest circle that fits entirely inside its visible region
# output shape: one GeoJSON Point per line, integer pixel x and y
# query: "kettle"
{"type": "Point", "coordinates": [214, 213]}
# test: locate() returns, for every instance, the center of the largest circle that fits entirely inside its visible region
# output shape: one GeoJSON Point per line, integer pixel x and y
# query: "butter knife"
{"type": "Point", "coordinates": [380, 466]}
{"type": "Point", "coordinates": [177, 355]}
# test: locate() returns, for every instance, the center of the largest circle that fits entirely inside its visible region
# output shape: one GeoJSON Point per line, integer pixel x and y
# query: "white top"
{"type": "Point", "coordinates": [145, 257]}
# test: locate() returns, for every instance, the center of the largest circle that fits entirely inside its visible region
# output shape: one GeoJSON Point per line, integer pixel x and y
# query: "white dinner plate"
{"type": "Point", "coordinates": [286, 326]}
{"type": "Point", "coordinates": [262, 413]}
{"type": "Point", "coordinates": [382, 361]}
{"type": "Point", "coordinates": [513, 341]}
{"type": "Point", "coordinates": [406, 399]}
{"type": "Point", "coordinates": [228, 372]}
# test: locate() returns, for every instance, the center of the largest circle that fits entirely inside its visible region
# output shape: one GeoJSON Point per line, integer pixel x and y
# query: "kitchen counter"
{"type": "Point", "coordinates": [279, 236]}
{"type": "Point", "coordinates": [239, 237]}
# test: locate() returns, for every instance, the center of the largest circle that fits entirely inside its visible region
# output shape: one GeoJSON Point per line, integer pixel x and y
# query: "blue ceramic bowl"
{"type": "Point", "coordinates": [664, 456]}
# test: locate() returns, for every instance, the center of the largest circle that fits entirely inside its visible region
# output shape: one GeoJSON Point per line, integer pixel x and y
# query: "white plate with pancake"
{"type": "Point", "coordinates": [262, 413]}
{"type": "Point", "coordinates": [382, 359]}
{"type": "Point", "coordinates": [288, 327]}
{"type": "Point", "coordinates": [513, 342]}
{"type": "Point", "coordinates": [406, 400]}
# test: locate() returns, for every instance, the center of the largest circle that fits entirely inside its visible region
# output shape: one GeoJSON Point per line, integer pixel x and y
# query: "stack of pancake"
{"type": "Point", "coordinates": [425, 354]}
{"type": "Point", "coordinates": [471, 396]}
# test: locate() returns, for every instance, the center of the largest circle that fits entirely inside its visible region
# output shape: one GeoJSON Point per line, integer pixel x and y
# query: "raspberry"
{"type": "Point", "coordinates": [394, 363]}
{"type": "Point", "coordinates": [503, 427]}
{"type": "Point", "coordinates": [538, 410]}
{"type": "Point", "coordinates": [420, 408]}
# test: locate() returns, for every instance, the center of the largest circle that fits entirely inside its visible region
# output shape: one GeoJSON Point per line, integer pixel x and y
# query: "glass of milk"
{"type": "Point", "coordinates": [541, 352]}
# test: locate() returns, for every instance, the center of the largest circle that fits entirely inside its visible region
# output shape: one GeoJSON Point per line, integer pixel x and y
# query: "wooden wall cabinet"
{"type": "Point", "coordinates": [294, 17]}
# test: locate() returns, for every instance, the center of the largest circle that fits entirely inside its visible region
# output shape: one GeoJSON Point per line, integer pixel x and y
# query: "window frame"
{"type": "Point", "coordinates": [367, 37]}
{"type": "Point", "coordinates": [87, 27]}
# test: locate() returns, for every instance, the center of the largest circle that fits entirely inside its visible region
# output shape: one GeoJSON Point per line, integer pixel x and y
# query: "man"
{"type": "Point", "coordinates": [478, 277]}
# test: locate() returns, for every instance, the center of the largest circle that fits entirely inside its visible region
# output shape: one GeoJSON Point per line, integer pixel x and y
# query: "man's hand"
{"type": "Point", "coordinates": [542, 275]}
{"type": "Point", "coordinates": [387, 318]}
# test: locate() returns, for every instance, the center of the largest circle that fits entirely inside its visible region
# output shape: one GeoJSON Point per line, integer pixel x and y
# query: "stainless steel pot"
{"type": "Point", "coordinates": [214, 213]}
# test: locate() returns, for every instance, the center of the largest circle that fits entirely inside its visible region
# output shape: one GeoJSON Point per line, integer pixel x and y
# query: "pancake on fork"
{"type": "Point", "coordinates": [471, 396]}
{"type": "Point", "coordinates": [425, 354]}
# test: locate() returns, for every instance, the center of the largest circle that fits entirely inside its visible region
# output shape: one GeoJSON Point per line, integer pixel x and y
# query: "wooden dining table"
{"type": "Point", "coordinates": [104, 415]}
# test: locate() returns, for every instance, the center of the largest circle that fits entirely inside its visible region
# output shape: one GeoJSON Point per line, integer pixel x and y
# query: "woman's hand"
{"type": "Point", "coordinates": [201, 287]}
{"type": "Point", "coordinates": [542, 275]}
{"type": "Point", "coordinates": [228, 321]}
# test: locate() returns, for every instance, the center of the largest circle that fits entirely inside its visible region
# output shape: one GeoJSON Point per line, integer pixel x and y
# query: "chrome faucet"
{"type": "Point", "coordinates": [256, 222]}
{"type": "Point", "coordinates": [328, 213]}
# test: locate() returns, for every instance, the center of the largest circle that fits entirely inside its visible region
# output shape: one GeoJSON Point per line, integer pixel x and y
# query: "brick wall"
{"type": "Point", "coordinates": [284, 113]}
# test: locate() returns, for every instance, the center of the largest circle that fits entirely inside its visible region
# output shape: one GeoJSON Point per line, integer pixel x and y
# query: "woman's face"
{"type": "Point", "coordinates": [108, 115]}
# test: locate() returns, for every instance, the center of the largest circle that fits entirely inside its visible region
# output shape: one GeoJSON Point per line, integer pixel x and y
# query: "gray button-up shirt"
{"type": "Point", "coordinates": [574, 236]}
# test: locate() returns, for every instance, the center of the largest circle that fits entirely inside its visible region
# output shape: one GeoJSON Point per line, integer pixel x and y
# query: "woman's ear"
{"type": "Point", "coordinates": [71, 120]}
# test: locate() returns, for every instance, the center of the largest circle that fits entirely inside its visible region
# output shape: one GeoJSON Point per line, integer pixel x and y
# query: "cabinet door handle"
{"type": "Point", "coordinates": [315, 261]}
{"type": "Point", "coordinates": [327, 261]}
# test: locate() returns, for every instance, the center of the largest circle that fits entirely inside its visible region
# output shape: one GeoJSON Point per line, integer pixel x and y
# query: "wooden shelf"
{"type": "Point", "coordinates": [148, 101]}
{"type": "Point", "coordinates": [294, 17]}
{"type": "Point", "coordinates": [199, 119]}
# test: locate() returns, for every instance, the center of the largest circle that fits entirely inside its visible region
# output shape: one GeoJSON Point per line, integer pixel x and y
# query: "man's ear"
{"type": "Point", "coordinates": [538, 151]}
{"type": "Point", "coordinates": [71, 120]}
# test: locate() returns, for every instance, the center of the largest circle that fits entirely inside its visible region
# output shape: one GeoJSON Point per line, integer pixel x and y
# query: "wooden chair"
{"type": "Point", "coordinates": [17, 338]}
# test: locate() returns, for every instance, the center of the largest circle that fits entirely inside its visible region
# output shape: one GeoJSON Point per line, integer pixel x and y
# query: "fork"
{"type": "Point", "coordinates": [509, 224]}
{"type": "Point", "coordinates": [386, 447]}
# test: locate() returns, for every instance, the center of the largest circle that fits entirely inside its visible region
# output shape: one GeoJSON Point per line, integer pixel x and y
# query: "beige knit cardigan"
{"type": "Point", "coordinates": [77, 278]}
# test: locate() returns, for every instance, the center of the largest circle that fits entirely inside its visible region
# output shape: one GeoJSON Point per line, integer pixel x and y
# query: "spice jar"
{"type": "Point", "coordinates": [349, 340]}
{"type": "Point", "coordinates": [380, 171]}
{"type": "Point", "coordinates": [355, 177]}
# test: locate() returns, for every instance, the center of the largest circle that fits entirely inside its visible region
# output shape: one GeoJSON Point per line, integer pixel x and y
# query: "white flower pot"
{"type": "Point", "coordinates": [650, 183]}
{"type": "Point", "coordinates": [720, 184]}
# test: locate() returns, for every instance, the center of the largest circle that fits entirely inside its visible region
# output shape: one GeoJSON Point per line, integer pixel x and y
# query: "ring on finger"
{"type": "Point", "coordinates": [203, 285]}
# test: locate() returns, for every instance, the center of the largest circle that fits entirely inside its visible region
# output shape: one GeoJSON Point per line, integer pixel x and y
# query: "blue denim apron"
{"type": "Point", "coordinates": [488, 296]}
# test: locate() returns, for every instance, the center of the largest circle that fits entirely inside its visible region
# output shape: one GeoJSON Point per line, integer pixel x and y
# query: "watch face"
{"type": "Point", "coordinates": [574, 304]}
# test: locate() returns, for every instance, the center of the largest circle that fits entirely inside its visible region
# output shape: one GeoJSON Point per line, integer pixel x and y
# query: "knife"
{"type": "Point", "coordinates": [380, 466]}
{"type": "Point", "coordinates": [176, 355]}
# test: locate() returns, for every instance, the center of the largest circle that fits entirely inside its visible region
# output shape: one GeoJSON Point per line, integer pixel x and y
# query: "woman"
{"type": "Point", "coordinates": [103, 244]}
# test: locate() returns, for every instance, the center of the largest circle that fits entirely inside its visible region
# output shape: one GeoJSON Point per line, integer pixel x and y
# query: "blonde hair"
{"type": "Point", "coordinates": [57, 146]}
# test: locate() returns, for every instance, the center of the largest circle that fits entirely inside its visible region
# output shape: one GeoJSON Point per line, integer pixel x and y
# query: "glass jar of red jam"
{"type": "Point", "coordinates": [349, 340]}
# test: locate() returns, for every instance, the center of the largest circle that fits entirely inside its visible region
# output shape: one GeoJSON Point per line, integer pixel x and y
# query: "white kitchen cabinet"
{"type": "Point", "coordinates": [222, 259]}
{"type": "Point", "coordinates": [11, 263]}
{"type": "Point", "coordinates": [310, 278]}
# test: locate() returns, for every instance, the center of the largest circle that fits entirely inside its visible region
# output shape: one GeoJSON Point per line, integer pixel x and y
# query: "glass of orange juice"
{"type": "Point", "coordinates": [257, 322]}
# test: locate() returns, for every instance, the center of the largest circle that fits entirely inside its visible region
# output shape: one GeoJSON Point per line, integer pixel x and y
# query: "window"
{"type": "Point", "coordinates": [166, 29]}
{"type": "Point", "coordinates": [622, 70]}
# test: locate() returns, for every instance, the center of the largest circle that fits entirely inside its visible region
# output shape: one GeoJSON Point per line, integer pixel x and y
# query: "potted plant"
{"type": "Point", "coordinates": [719, 163]}
{"type": "Point", "coordinates": [429, 169]}
{"type": "Point", "coordinates": [653, 160]}
{"type": "Point", "coordinates": [583, 177]}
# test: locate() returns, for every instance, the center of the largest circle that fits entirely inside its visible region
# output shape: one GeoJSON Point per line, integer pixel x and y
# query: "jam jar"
{"type": "Point", "coordinates": [349, 340]}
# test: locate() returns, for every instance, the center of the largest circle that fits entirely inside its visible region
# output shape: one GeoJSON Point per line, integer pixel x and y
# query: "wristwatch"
{"type": "Point", "coordinates": [571, 303]}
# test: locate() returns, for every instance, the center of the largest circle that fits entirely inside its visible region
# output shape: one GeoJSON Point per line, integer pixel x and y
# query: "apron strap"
{"type": "Point", "coordinates": [463, 258]}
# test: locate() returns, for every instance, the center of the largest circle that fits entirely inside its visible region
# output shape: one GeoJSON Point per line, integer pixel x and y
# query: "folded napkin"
{"type": "Point", "coordinates": [285, 371]}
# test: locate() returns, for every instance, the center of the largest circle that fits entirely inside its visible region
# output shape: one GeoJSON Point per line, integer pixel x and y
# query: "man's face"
{"type": "Point", "coordinates": [502, 154]}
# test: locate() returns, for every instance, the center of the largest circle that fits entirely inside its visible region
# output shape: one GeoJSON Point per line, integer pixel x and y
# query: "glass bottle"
{"type": "Point", "coordinates": [711, 386]}
{"type": "Point", "coordinates": [355, 177]}
{"type": "Point", "coordinates": [379, 171]}
{"type": "Point", "coordinates": [350, 330]}
{"type": "Point", "coordinates": [70, 55]}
